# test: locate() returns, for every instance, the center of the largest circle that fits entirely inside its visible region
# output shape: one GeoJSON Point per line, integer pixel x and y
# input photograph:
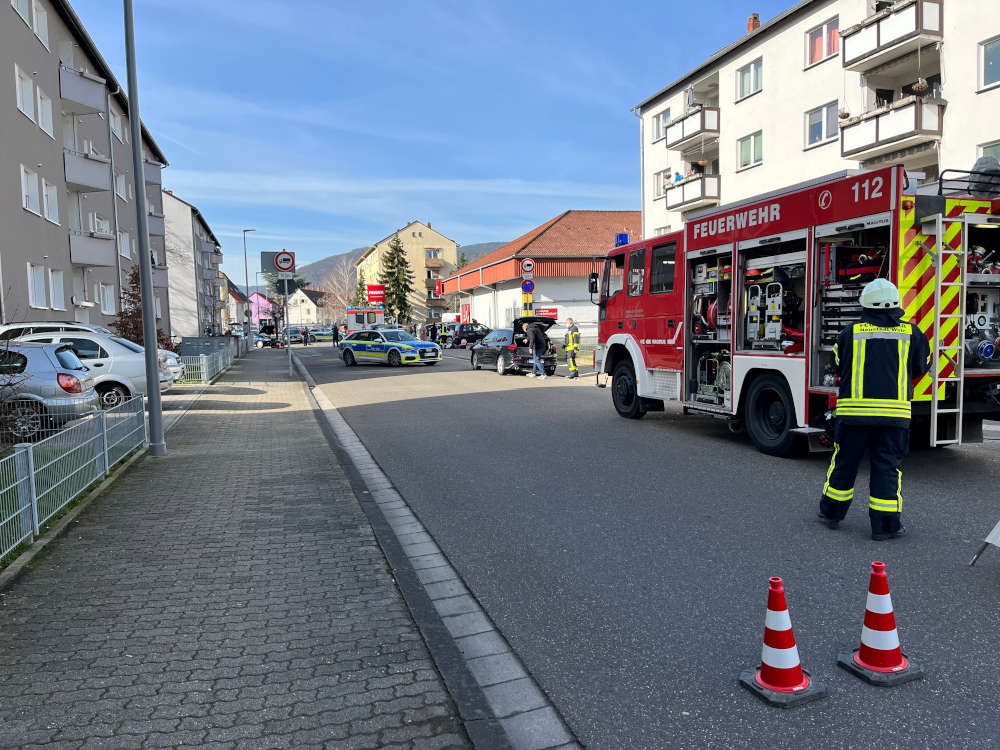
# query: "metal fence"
{"type": "Point", "coordinates": [24, 420]}
{"type": "Point", "coordinates": [41, 478]}
{"type": "Point", "coordinates": [204, 368]}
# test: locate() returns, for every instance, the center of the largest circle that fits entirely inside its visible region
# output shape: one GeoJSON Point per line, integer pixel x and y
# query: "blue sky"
{"type": "Point", "coordinates": [327, 124]}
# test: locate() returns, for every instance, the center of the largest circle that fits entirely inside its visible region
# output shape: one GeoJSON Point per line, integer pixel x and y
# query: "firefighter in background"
{"type": "Point", "coordinates": [571, 342]}
{"type": "Point", "coordinates": [879, 357]}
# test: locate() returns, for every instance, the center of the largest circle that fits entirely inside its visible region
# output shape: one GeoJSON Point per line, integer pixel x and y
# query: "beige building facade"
{"type": "Point", "coordinates": [432, 257]}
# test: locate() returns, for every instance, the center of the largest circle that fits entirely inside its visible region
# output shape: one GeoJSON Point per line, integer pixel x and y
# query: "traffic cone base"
{"type": "Point", "coordinates": [809, 691]}
{"type": "Point", "coordinates": [897, 675]}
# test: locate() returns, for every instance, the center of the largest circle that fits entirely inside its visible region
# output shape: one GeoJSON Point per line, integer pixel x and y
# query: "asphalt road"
{"type": "Point", "coordinates": [627, 562]}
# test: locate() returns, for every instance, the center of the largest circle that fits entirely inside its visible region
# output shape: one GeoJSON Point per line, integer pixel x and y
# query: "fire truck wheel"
{"type": "Point", "coordinates": [624, 392]}
{"type": "Point", "coordinates": [770, 416]}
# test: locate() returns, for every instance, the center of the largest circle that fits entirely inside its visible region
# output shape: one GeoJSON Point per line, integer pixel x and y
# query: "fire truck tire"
{"type": "Point", "coordinates": [769, 416]}
{"type": "Point", "coordinates": [625, 393]}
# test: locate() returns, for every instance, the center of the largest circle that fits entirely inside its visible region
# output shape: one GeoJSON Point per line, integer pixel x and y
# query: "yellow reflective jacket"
{"type": "Point", "coordinates": [571, 341]}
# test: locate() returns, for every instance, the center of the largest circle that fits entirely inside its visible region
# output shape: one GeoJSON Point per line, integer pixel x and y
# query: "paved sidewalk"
{"type": "Point", "coordinates": [231, 595]}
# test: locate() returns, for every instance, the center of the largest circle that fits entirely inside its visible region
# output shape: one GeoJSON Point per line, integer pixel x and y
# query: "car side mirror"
{"type": "Point", "coordinates": [593, 283]}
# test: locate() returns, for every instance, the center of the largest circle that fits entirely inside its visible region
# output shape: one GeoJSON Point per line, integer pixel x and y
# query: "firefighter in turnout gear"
{"type": "Point", "coordinates": [878, 359]}
{"type": "Point", "coordinates": [571, 343]}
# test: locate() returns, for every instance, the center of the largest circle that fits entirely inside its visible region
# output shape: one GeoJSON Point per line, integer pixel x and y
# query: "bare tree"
{"type": "Point", "coordinates": [340, 285]}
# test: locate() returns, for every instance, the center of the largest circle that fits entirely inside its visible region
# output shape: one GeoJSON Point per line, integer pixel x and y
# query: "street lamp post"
{"type": "Point", "coordinates": [246, 280]}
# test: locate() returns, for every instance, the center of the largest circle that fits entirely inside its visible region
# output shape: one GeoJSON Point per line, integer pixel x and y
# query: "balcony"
{"type": "Point", "coordinates": [694, 192]}
{"type": "Point", "coordinates": [160, 277]}
{"type": "Point", "coordinates": [206, 245]}
{"type": "Point", "coordinates": [209, 273]}
{"type": "Point", "coordinates": [151, 172]}
{"type": "Point", "coordinates": [437, 303]}
{"type": "Point", "coordinates": [87, 173]}
{"type": "Point", "coordinates": [155, 222]}
{"type": "Point", "coordinates": [433, 262]}
{"type": "Point", "coordinates": [904, 124]}
{"type": "Point", "coordinates": [82, 93]}
{"type": "Point", "coordinates": [685, 131]}
{"type": "Point", "coordinates": [92, 249]}
{"type": "Point", "coordinates": [904, 27]}
{"type": "Point", "coordinates": [431, 284]}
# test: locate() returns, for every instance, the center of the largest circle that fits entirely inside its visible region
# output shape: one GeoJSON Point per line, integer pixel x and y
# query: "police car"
{"type": "Point", "coordinates": [388, 346]}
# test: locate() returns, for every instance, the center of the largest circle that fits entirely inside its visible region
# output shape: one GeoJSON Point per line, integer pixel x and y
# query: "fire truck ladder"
{"type": "Point", "coordinates": [947, 407]}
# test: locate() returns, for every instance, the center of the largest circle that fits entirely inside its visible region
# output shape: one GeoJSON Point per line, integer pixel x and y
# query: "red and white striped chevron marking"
{"type": "Point", "coordinates": [880, 650]}
{"type": "Point", "coordinates": [780, 668]}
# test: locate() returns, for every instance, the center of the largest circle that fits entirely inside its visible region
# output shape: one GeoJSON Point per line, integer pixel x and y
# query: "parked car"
{"type": "Point", "coordinates": [506, 349]}
{"type": "Point", "coordinates": [293, 334]}
{"type": "Point", "coordinates": [175, 367]}
{"type": "Point", "coordinates": [392, 347]}
{"type": "Point", "coordinates": [42, 387]}
{"type": "Point", "coordinates": [117, 365]}
{"type": "Point", "coordinates": [464, 335]}
{"type": "Point", "coordinates": [322, 333]}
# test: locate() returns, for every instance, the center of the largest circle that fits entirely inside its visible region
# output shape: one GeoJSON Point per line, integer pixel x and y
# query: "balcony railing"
{"type": "Point", "coordinates": [92, 249]}
{"type": "Point", "coordinates": [906, 123]}
{"type": "Point", "coordinates": [156, 225]}
{"type": "Point", "coordinates": [82, 93]}
{"type": "Point", "coordinates": [682, 132]}
{"type": "Point", "coordinates": [901, 28]}
{"type": "Point", "coordinates": [693, 192]}
{"type": "Point", "coordinates": [160, 277]}
{"type": "Point", "coordinates": [433, 262]}
{"type": "Point", "coordinates": [437, 302]}
{"type": "Point", "coordinates": [87, 173]}
{"type": "Point", "coordinates": [151, 172]}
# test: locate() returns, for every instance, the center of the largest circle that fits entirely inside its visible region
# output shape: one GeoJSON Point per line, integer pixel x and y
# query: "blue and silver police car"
{"type": "Point", "coordinates": [388, 346]}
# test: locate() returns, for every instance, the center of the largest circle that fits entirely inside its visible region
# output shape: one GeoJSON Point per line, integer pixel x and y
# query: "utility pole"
{"type": "Point", "coordinates": [288, 331]}
{"type": "Point", "coordinates": [157, 444]}
{"type": "Point", "coordinates": [246, 279]}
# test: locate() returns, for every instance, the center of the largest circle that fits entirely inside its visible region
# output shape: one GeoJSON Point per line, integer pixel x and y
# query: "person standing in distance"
{"type": "Point", "coordinates": [536, 342]}
{"type": "Point", "coordinates": [879, 357]}
{"type": "Point", "coordinates": [571, 342]}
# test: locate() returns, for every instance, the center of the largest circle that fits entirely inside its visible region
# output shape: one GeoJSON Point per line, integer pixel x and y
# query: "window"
{"type": "Point", "coordinates": [50, 194]}
{"type": "Point", "coordinates": [990, 63]}
{"type": "Point", "coordinates": [124, 249]}
{"type": "Point", "coordinates": [660, 121]}
{"type": "Point", "coordinates": [822, 42]}
{"type": "Point", "coordinates": [159, 310]}
{"type": "Point", "coordinates": [991, 149]}
{"type": "Point", "coordinates": [432, 253]}
{"type": "Point", "coordinates": [41, 26]}
{"type": "Point", "coordinates": [29, 190]}
{"type": "Point", "coordinates": [661, 273]}
{"type": "Point", "coordinates": [821, 124]}
{"type": "Point", "coordinates": [68, 359]}
{"type": "Point", "coordinates": [116, 124]}
{"type": "Point", "coordinates": [25, 93]}
{"type": "Point", "coordinates": [749, 79]}
{"type": "Point", "coordinates": [21, 6]}
{"type": "Point", "coordinates": [614, 275]}
{"type": "Point", "coordinates": [85, 348]}
{"type": "Point", "coordinates": [121, 186]}
{"type": "Point", "coordinates": [12, 363]}
{"type": "Point", "coordinates": [660, 180]}
{"type": "Point", "coordinates": [660, 230]}
{"type": "Point", "coordinates": [637, 272]}
{"type": "Point", "coordinates": [45, 112]}
{"type": "Point", "coordinates": [107, 296]}
{"type": "Point", "coordinates": [751, 150]}
{"type": "Point", "coordinates": [57, 293]}
{"type": "Point", "coordinates": [36, 285]}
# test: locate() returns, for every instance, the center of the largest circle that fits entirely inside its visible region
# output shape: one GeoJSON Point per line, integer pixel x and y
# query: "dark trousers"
{"type": "Point", "coordinates": [886, 447]}
{"type": "Point", "coordinates": [571, 360]}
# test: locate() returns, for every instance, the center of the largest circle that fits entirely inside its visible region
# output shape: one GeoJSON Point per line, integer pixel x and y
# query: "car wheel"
{"type": "Point", "coordinates": [550, 371]}
{"type": "Point", "coordinates": [24, 420]}
{"type": "Point", "coordinates": [501, 364]}
{"type": "Point", "coordinates": [475, 361]}
{"type": "Point", "coordinates": [349, 359]}
{"type": "Point", "coordinates": [259, 344]}
{"type": "Point", "coordinates": [625, 392]}
{"type": "Point", "coordinates": [394, 359]}
{"type": "Point", "coordinates": [770, 416]}
{"type": "Point", "coordinates": [112, 396]}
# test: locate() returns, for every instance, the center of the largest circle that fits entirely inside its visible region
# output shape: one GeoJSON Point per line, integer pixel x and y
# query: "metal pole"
{"type": "Point", "coordinates": [246, 279]}
{"type": "Point", "coordinates": [288, 331]}
{"type": "Point", "coordinates": [157, 444]}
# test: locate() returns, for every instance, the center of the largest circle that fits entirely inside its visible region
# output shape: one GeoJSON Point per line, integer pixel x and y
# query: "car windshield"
{"type": "Point", "coordinates": [398, 336]}
{"type": "Point", "coordinates": [130, 345]}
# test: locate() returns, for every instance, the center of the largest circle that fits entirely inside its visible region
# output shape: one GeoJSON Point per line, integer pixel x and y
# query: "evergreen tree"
{"type": "Point", "coordinates": [398, 280]}
{"type": "Point", "coordinates": [128, 322]}
{"type": "Point", "coordinates": [360, 298]}
{"type": "Point", "coordinates": [462, 260]}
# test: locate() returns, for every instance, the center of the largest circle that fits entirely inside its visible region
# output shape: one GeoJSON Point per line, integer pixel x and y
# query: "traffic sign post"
{"type": "Point", "coordinates": [527, 286]}
{"type": "Point", "coordinates": [282, 263]}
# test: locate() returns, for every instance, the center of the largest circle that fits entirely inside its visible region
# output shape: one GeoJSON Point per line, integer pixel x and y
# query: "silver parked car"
{"type": "Point", "coordinates": [42, 387]}
{"type": "Point", "coordinates": [117, 365]}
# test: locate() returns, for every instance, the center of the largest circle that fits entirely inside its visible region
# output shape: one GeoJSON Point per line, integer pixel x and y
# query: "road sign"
{"type": "Point", "coordinates": [527, 285]}
{"type": "Point", "coordinates": [527, 266]}
{"type": "Point", "coordinates": [284, 261]}
{"type": "Point", "coordinates": [289, 275]}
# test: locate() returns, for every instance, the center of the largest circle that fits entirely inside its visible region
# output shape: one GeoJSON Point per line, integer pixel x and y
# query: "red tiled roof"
{"type": "Point", "coordinates": [570, 234]}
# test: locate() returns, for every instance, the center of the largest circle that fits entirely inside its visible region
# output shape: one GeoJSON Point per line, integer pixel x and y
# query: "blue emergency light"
{"type": "Point", "coordinates": [621, 239]}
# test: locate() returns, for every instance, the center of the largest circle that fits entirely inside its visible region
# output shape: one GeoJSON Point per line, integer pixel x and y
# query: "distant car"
{"type": "Point", "coordinates": [42, 386]}
{"type": "Point", "coordinates": [175, 367]}
{"type": "Point", "coordinates": [117, 365]}
{"type": "Point", "coordinates": [293, 334]}
{"type": "Point", "coordinates": [322, 334]}
{"type": "Point", "coordinates": [391, 347]}
{"type": "Point", "coordinates": [464, 335]}
{"type": "Point", "coordinates": [506, 349]}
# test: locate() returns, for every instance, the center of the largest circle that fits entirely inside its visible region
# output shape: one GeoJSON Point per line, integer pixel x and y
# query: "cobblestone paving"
{"type": "Point", "coordinates": [231, 595]}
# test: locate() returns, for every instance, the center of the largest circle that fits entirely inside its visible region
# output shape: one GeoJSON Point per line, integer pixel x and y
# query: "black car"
{"type": "Point", "coordinates": [506, 349]}
{"type": "Point", "coordinates": [465, 334]}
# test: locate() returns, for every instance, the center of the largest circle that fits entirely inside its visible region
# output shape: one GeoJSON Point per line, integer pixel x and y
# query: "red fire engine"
{"type": "Point", "coordinates": [736, 315]}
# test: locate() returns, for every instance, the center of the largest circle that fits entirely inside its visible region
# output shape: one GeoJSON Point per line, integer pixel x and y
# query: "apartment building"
{"type": "Point", "coordinates": [431, 255]}
{"type": "Point", "coordinates": [193, 255]}
{"type": "Point", "coordinates": [67, 197]}
{"type": "Point", "coordinates": [826, 86]}
{"type": "Point", "coordinates": [237, 306]}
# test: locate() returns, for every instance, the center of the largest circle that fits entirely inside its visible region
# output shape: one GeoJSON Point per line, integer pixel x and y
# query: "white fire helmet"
{"type": "Point", "coordinates": [880, 294]}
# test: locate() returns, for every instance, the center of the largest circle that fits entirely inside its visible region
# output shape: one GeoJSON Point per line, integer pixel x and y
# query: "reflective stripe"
{"type": "Point", "coordinates": [880, 403]}
{"type": "Point", "coordinates": [889, 506]}
{"type": "Point", "coordinates": [838, 495]}
{"type": "Point", "coordinates": [899, 490]}
{"type": "Point", "coordinates": [780, 658]}
{"type": "Point", "coordinates": [880, 604]}
{"type": "Point", "coordinates": [833, 463]}
{"type": "Point", "coordinates": [904, 370]}
{"type": "Point", "coordinates": [882, 640]}
{"type": "Point", "coordinates": [836, 353]}
{"type": "Point", "coordinates": [857, 369]}
{"type": "Point", "coordinates": [777, 620]}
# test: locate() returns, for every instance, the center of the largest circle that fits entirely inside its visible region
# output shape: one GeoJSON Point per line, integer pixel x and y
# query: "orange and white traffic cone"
{"type": "Point", "coordinates": [879, 660]}
{"type": "Point", "coordinates": [781, 680]}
